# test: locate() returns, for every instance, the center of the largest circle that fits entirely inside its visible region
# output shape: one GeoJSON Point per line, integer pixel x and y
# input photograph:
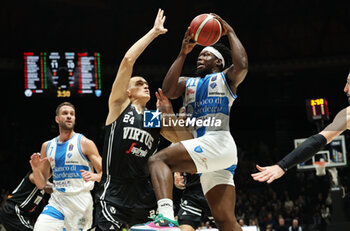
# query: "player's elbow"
{"type": "Point", "coordinates": [243, 66]}
{"type": "Point", "coordinates": [128, 60]}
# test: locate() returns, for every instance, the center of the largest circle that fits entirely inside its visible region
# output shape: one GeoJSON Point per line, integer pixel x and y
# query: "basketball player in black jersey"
{"type": "Point", "coordinates": [194, 207]}
{"type": "Point", "coordinates": [310, 146]}
{"type": "Point", "coordinates": [125, 194]}
{"type": "Point", "coordinates": [24, 205]}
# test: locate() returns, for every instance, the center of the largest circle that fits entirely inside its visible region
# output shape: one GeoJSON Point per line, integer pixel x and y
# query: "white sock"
{"type": "Point", "coordinates": [165, 207]}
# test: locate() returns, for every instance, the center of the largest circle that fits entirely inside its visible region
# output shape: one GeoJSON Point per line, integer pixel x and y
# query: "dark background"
{"type": "Point", "coordinates": [297, 50]}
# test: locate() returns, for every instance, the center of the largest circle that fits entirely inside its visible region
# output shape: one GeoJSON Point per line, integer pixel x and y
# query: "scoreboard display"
{"type": "Point", "coordinates": [62, 74]}
{"type": "Point", "coordinates": [317, 109]}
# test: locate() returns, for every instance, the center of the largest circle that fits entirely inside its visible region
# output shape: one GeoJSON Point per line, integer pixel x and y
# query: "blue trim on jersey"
{"type": "Point", "coordinates": [60, 155]}
{"type": "Point", "coordinates": [232, 169]}
{"type": "Point", "coordinates": [79, 148]}
{"type": "Point", "coordinates": [53, 212]}
{"type": "Point", "coordinates": [234, 96]}
{"type": "Point", "coordinates": [47, 147]}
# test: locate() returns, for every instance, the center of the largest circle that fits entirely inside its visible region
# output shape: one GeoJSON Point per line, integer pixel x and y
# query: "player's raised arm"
{"type": "Point", "coordinates": [237, 72]}
{"type": "Point", "coordinates": [118, 98]}
{"type": "Point", "coordinates": [306, 150]}
{"type": "Point", "coordinates": [174, 85]}
{"type": "Point", "coordinates": [41, 167]}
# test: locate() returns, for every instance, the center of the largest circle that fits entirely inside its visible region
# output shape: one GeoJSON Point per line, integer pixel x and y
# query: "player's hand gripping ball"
{"type": "Point", "coordinates": [205, 29]}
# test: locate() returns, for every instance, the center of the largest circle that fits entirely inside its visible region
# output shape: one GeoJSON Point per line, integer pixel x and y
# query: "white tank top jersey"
{"type": "Point", "coordinates": [66, 160]}
{"type": "Point", "coordinates": [208, 103]}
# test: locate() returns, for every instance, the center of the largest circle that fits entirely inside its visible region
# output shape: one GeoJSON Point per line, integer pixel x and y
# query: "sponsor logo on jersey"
{"type": "Point", "coordinates": [212, 85]}
{"type": "Point", "coordinates": [136, 151]}
{"type": "Point", "coordinates": [190, 91]}
{"type": "Point", "coordinates": [71, 146]}
{"type": "Point", "coordinates": [113, 210]}
{"type": "Point", "coordinates": [132, 133]}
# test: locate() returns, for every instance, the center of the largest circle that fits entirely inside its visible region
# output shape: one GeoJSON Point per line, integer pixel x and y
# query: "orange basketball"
{"type": "Point", "coordinates": [205, 29]}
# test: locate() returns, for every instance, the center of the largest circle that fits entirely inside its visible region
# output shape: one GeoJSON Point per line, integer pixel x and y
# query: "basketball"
{"type": "Point", "coordinates": [205, 29]}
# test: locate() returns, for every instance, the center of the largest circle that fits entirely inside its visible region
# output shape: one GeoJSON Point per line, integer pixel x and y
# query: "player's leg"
{"type": "Point", "coordinates": [164, 163]}
{"type": "Point", "coordinates": [77, 210]}
{"type": "Point", "coordinates": [161, 166]}
{"type": "Point", "coordinates": [189, 216]}
{"type": "Point", "coordinates": [223, 206]}
{"type": "Point", "coordinates": [50, 220]}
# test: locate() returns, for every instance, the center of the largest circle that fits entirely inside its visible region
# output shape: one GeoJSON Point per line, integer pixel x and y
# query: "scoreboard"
{"type": "Point", "coordinates": [317, 109]}
{"type": "Point", "coordinates": [62, 74]}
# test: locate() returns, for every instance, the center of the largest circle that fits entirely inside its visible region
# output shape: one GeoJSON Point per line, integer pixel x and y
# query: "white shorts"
{"type": "Point", "coordinates": [74, 212]}
{"type": "Point", "coordinates": [210, 179]}
{"type": "Point", "coordinates": [214, 151]}
{"type": "Point", "coordinates": [215, 156]}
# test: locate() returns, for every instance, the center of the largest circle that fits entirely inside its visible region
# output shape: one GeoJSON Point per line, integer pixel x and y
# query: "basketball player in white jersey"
{"type": "Point", "coordinates": [66, 157]}
{"type": "Point", "coordinates": [310, 146]}
{"type": "Point", "coordinates": [212, 152]}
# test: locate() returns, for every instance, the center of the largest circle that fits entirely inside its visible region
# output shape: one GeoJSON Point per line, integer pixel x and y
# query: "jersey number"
{"type": "Point", "coordinates": [128, 118]}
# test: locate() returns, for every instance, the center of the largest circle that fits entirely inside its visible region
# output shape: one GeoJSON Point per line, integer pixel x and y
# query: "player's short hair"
{"type": "Point", "coordinates": [64, 104]}
{"type": "Point", "coordinates": [225, 52]}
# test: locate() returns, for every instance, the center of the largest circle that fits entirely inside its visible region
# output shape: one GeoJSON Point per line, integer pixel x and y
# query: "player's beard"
{"type": "Point", "coordinates": [203, 72]}
{"type": "Point", "coordinates": [67, 127]}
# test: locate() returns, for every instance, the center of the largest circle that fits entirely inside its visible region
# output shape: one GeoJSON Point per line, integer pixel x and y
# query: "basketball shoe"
{"type": "Point", "coordinates": [159, 223]}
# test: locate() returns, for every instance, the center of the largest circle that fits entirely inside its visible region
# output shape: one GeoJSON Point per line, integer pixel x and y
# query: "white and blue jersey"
{"type": "Point", "coordinates": [208, 102]}
{"type": "Point", "coordinates": [71, 203]}
{"type": "Point", "coordinates": [66, 160]}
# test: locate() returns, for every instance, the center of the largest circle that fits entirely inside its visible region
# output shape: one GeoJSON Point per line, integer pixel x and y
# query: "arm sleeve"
{"type": "Point", "coordinates": [305, 151]}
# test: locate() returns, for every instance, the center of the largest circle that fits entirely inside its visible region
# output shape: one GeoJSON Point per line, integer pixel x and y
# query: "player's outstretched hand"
{"type": "Point", "coordinates": [159, 23]}
{"type": "Point", "coordinates": [226, 28]}
{"type": "Point", "coordinates": [35, 161]}
{"type": "Point", "coordinates": [90, 176]}
{"type": "Point", "coordinates": [163, 103]}
{"type": "Point", "coordinates": [269, 173]}
{"type": "Point", "coordinates": [179, 180]}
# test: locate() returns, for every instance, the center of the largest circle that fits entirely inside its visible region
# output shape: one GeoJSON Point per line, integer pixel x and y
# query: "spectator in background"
{"type": "Point", "coordinates": [325, 214]}
{"type": "Point", "coordinates": [241, 222]}
{"type": "Point", "coordinates": [270, 221]}
{"type": "Point", "coordinates": [295, 226]}
{"type": "Point", "coordinates": [269, 228]}
{"type": "Point", "coordinates": [281, 225]}
{"type": "Point", "coordinates": [254, 222]}
{"type": "Point", "coordinates": [288, 202]}
{"type": "Point", "coordinates": [240, 214]}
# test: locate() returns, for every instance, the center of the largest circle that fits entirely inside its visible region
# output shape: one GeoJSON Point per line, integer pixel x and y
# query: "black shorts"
{"type": "Point", "coordinates": [13, 221]}
{"type": "Point", "coordinates": [118, 204]}
{"type": "Point", "coordinates": [194, 212]}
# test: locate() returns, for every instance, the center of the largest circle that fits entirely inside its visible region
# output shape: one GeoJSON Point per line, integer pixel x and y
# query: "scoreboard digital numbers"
{"type": "Point", "coordinates": [62, 74]}
{"type": "Point", "coordinates": [317, 109]}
